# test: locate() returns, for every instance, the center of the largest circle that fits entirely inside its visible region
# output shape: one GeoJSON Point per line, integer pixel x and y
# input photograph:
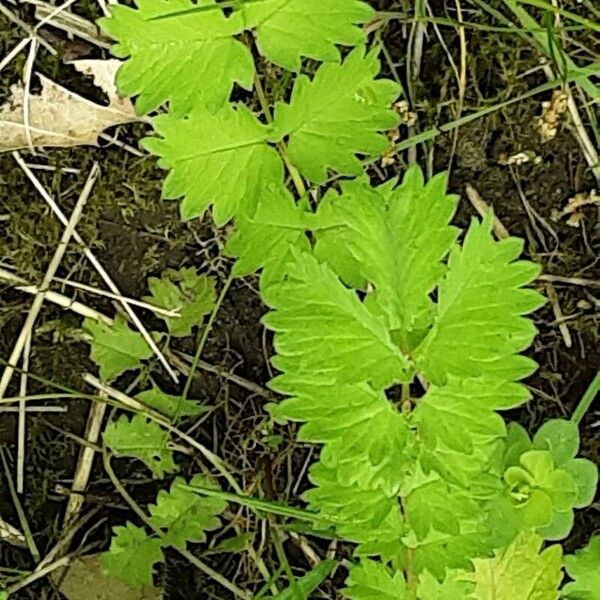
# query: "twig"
{"type": "Point", "coordinates": [124, 399]}
{"type": "Point", "coordinates": [52, 268]}
{"type": "Point", "coordinates": [26, 94]}
{"type": "Point", "coordinates": [558, 315]}
{"type": "Point", "coordinates": [59, 299]}
{"type": "Point", "coordinates": [22, 422]}
{"type": "Point", "coordinates": [483, 208]}
{"type": "Point", "coordinates": [570, 280]}
{"type": "Point", "coordinates": [101, 271]}
{"type": "Point", "coordinates": [19, 508]}
{"type": "Point", "coordinates": [86, 460]}
{"type": "Point", "coordinates": [35, 575]}
{"type": "Point", "coordinates": [157, 310]}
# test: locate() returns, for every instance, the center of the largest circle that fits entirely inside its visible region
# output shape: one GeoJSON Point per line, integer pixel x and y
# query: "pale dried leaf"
{"type": "Point", "coordinates": [59, 117]}
{"type": "Point", "coordinates": [85, 580]}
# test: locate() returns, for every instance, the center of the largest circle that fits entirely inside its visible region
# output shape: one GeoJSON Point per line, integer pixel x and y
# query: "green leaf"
{"type": "Point", "coordinates": [116, 348]}
{"type": "Point", "coordinates": [585, 475]}
{"type": "Point", "coordinates": [456, 585]}
{"type": "Point", "coordinates": [370, 580]}
{"type": "Point", "coordinates": [184, 515]}
{"type": "Point", "coordinates": [520, 572]}
{"type": "Point", "coordinates": [168, 405]}
{"type": "Point", "coordinates": [324, 334]}
{"type": "Point", "coordinates": [307, 583]}
{"type": "Point", "coordinates": [264, 240]}
{"type": "Point", "coordinates": [367, 439]}
{"type": "Point", "coordinates": [459, 426]}
{"type": "Point", "coordinates": [286, 30]}
{"type": "Point", "coordinates": [363, 513]}
{"type": "Point", "coordinates": [342, 112]}
{"type": "Point", "coordinates": [221, 159]}
{"type": "Point", "coordinates": [584, 568]}
{"type": "Point", "coordinates": [132, 555]}
{"type": "Point", "coordinates": [397, 239]}
{"type": "Point", "coordinates": [560, 437]}
{"type": "Point", "coordinates": [478, 328]}
{"type": "Point", "coordinates": [174, 58]}
{"type": "Point", "coordinates": [143, 439]}
{"type": "Point", "coordinates": [184, 290]}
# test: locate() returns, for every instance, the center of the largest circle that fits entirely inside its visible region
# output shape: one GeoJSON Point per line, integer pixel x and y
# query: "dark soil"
{"type": "Point", "coordinates": [135, 234]}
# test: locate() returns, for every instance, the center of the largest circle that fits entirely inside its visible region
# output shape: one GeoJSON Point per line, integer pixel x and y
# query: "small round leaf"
{"type": "Point", "coordinates": [560, 438]}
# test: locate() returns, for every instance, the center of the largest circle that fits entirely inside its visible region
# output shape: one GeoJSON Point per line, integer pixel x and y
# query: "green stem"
{"type": "Point", "coordinates": [281, 147]}
{"type": "Point", "coordinates": [202, 343]}
{"type": "Point", "coordinates": [586, 400]}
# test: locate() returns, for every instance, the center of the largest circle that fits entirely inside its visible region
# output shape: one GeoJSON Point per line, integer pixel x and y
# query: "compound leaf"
{"type": "Point", "coordinates": [184, 515]}
{"type": "Point", "coordinates": [286, 30]}
{"type": "Point", "coordinates": [168, 405]}
{"type": "Point", "coordinates": [143, 439]}
{"type": "Point", "coordinates": [584, 568]}
{"type": "Point", "coordinates": [520, 572]}
{"type": "Point", "coordinates": [324, 334]}
{"type": "Point", "coordinates": [398, 238]}
{"type": "Point", "coordinates": [478, 328]}
{"type": "Point", "coordinates": [220, 159]}
{"type": "Point", "coordinates": [188, 59]}
{"type": "Point", "coordinates": [342, 112]}
{"type": "Point", "coordinates": [184, 290]}
{"type": "Point", "coordinates": [116, 348]}
{"type": "Point", "coordinates": [265, 239]}
{"type": "Point", "coordinates": [371, 580]}
{"type": "Point", "coordinates": [132, 555]}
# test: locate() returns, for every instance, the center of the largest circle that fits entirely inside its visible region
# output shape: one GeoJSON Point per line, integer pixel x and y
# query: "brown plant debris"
{"type": "Point", "coordinates": [552, 113]}
{"type": "Point", "coordinates": [574, 206]}
{"type": "Point", "coordinates": [59, 117]}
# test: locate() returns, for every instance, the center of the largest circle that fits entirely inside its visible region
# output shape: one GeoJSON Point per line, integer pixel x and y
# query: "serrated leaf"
{"type": "Point", "coordinates": [324, 334]}
{"type": "Point", "coordinates": [307, 583]}
{"type": "Point", "coordinates": [173, 58]}
{"type": "Point", "coordinates": [184, 515]}
{"type": "Point", "coordinates": [184, 290]}
{"type": "Point", "coordinates": [287, 30]}
{"type": "Point", "coordinates": [265, 239]}
{"type": "Point", "coordinates": [397, 239]}
{"type": "Point", "coordinates": [459, 426]}
{"type": "Point", "coordinates": [143, 439]}
{"type": "Point", "coordinates": [371, 580]}
{"type": "Point", "coordinates": [363, 513]}
{"type": "Point", "coordinates": [168, 405]}
{"type": "Point", "coordinates": [456, 585]}
{"type": "Point", "coordinates": [116, 348]}
{"type": "Point", "coordinates": [221, 160]}
{"type": "Point", "coordinates": [584, 568]}
{"type": "Point", "coordinates": [560, 438]}
{"type": "Point", "coordinates": [342, 112]}
{"type": "Point", "coordinates": [520, 572]}
{"type": "Point", "coordinates": [478, 327]}
{"type": "Point", "coordinates": [132, 555]}
{"type": "Point", "coordinates": [367, 439]}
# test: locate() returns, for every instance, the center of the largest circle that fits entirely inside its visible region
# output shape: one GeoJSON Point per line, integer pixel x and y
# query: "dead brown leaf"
{"type": "Point", "coordinates": [59, 117]}
{"type": "Point", "coordinates": [85, 580]}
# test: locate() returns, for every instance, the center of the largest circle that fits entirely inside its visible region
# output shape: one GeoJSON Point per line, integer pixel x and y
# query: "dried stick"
{"type": "Point", "coordinates": [22, 423]}
{"type": "Point", "coordinates": [59, 299]}
{"type": "Point", "coordinates": [86, 461]}
{"type": "Point", "coordinates": [101, 271]}
{"type": "Point", "coordinates": [52, 268]}
{"type": "Point", "coordinates": [482, 207]}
